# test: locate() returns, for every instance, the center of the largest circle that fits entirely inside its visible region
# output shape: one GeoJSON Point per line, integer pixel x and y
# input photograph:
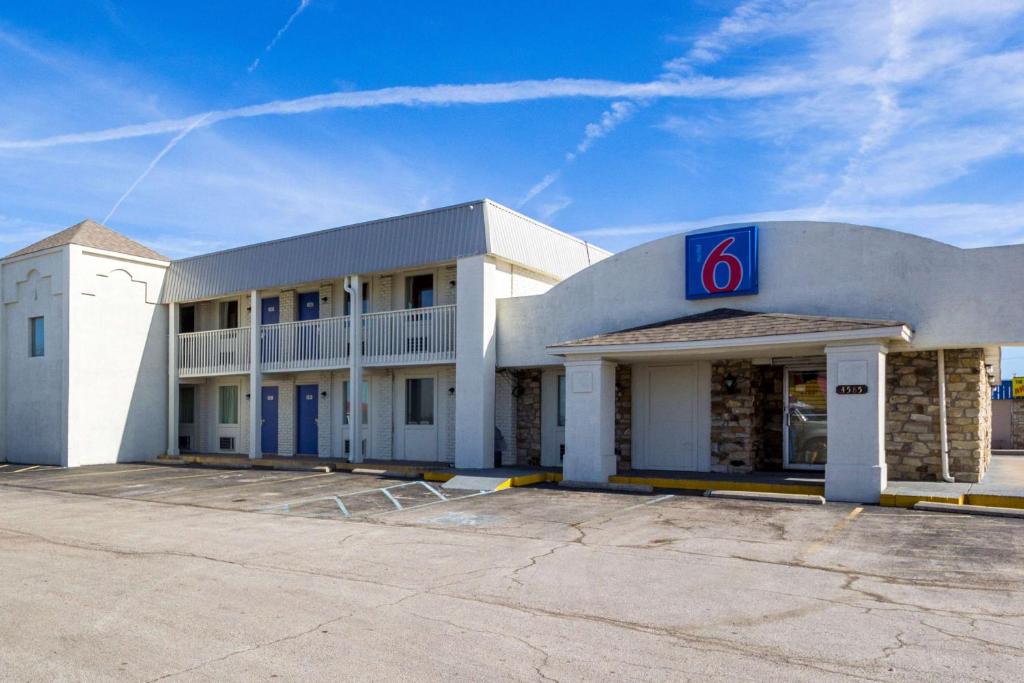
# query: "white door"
{"type": "Point", "coordinates": [416, 417]}
{"type": "Point", "coordinates": [673, 417]}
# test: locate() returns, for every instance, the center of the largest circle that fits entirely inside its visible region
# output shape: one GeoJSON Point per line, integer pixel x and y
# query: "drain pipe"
{"type": "Point", "coordinates": [943, 425]}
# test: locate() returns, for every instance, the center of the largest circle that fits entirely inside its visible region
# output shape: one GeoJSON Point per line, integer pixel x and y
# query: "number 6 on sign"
{"type": "Point", "coordinates": [721, 263]}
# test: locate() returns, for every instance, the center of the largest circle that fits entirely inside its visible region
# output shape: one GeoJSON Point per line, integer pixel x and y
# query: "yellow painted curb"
{"type": "Point", "coordinates": [896, 500]}
{"type": "Point", "coordinates": [536, 478]}
{"type": "Point", "coordinates": [994, 501]}
{"type": "Point", "coordinates": [438, 476]}
{"type": "Point", "coordinates": [719, 485]}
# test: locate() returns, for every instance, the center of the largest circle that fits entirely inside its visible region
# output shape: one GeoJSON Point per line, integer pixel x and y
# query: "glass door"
{"type": "Point", "coordinates": [806, 418]}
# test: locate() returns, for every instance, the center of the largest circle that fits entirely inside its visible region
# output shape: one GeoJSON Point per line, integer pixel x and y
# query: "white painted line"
{"type": "Point", "coordinates": [341, 506]}
{"type": "Point", "coordinates": [392, 498]}
{"type": "Point", "coordinates": [433, 490]}
{"type": "Point", "coordinates": [27, 469]}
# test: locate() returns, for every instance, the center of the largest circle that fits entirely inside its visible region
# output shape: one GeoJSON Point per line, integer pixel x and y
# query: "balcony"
{"type": "Point", "coordinates": [409, 337]}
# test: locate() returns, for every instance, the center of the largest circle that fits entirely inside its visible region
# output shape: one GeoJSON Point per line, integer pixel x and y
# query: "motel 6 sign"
{"type": "Point", "coordinates": [721, 263]}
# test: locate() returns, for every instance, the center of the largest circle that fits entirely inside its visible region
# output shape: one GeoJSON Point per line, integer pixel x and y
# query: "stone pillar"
{"type": "Point", "coordinates": [172, 379]}
{"type": "Point", "coordinates": [589, 421]}
{"type": "Point", "coordinates": [475, 363]}
{"type": "Point", "coordinates": [856, 470]}
{"type": "Point", "coordinates": [255, 375]}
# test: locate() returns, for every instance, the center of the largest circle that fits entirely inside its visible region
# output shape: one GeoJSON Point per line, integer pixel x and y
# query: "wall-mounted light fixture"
{"type": "Point", "coordinates": [729, 382]}
{"type": "Point", "coordinates": [451, 390]}
{"type": "Point", "coordinates": [323, 394]}
{"type": "Point", "coordinates": [518, 390]}
{"type": "Point", "coordinates": [248, 396]}
{"type": "Point", "coordinates": [324, 299]}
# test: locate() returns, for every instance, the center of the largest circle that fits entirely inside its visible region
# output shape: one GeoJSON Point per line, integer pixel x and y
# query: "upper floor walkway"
{"type": "Point", "coordinates": [404, 337]}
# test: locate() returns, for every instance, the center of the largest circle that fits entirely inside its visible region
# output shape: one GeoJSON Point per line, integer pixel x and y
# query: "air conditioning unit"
{"type": "Point", "coordinates": [184, 443]}
{"type": "Point", "coordinates": [227, 443]}
{"type": "Point", "coordinates": [561, 452]}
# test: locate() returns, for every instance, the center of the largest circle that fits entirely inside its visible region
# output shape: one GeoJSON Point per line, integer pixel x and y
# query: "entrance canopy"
{"type": "Point", "coordinates": [733, 329]}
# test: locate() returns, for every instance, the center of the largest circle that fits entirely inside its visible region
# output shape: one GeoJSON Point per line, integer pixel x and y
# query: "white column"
{"type": "Point", "coordinates": [255, 376]}
{"type": "Point", "coordinates": [474, 363]}
{"type": "Point", "coordinates": [172, 379]}
{"type": "Point", "coordinates": [589, 421]}
{"type": "Point", "coordinates": [856, 470]}
{"type": "Point", "coordinates": [355, 375]}
{"type": "Point", "coordinates": [3, 370]}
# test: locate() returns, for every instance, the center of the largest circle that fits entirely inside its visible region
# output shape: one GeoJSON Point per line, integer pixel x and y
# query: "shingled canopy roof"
{"type": "Point", "coordinates": [730, 324]}
{"type": "Point", "coordinates": [89, 233]}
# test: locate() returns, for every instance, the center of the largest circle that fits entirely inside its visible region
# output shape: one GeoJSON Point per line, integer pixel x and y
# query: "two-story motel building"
{"type": "Point", "coordinates": [472, 335]}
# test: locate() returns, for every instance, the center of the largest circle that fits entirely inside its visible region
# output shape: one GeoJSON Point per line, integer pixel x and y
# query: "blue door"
{"type": "Point", "coordinates": [309, 309]}
{"type": "Point", "coordinates": [268, 432]}
{"type": "Point", "coordinates": [270, 312]}
{"type": "Point", "coordinates": [306, 417]}
{"type": "Point", "coordinates": [309, 305]}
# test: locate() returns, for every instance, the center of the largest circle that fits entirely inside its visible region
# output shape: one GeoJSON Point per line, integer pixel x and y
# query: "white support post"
{"type": "Point", "coordinates": [355, 375]}
{"type": "Point", "coordinates": [589, 421]}
{"type": "Point", "coordinates": [255, 376]}
{"type": "Point", "coordinates": [475, 362]}
{"type": "Point", "coordinates": [172, 379]}
{"type": "Point", "coordinates": [856, 471]}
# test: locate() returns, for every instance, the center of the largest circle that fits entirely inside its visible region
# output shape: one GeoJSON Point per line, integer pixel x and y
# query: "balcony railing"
{"type": "Point", "coordinates": [415, 335]}
{"type": "Point", "coordinates": [217, 352]}
{"type": "Point", "coordinates": [305, 345]}
{"type": "Point", "coordinates": [408, 337]}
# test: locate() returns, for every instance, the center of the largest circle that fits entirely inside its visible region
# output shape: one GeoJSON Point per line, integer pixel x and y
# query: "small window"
{"type": "Point", "coordinates": [419, 401]}
{"type": "Point", "coordinates": [364, 399]}
{"type": "Point", "coordinates": [36, 337]}
{"type": "Point", "coordinates": [419, 291]}
{"type": "Point", "coordinates": [228, 315]}
{"type": "Point", "coordinates": [186, 405]}
{"type": "Point", "coordinates": [561, 400]}
{"type": "Point", "coordinates": [366, 300]}
{"type": "Point", "coordinates": [229, 405]}
{"type": "Point", "coordinates": [187, 319]}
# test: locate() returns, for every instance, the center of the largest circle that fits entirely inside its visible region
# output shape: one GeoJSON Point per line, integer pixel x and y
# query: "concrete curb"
{"type": "Point", "coordinates": [798, 498]}
{"type": "Point", "coordinates": [970, 510]}
{"type": "Point", "coordinates": [611, 486]}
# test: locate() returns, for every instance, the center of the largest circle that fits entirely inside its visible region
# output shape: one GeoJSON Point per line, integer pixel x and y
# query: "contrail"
{"type": "Point", "coordinates": [303, 4]}
{"type": "Point", "coordinates": [440, 95]}
{"type": "Point", "coordinates": [156, 160]}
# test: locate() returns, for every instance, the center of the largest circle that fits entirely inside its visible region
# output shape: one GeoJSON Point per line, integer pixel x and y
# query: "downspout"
{"type": "Point", "coordinates": [353, 286]}
{"type": "Point", "coordinates": [943, 423]}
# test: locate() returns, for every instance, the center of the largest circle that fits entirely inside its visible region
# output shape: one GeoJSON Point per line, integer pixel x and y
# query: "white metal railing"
{"type": "Point", "coordinates": [216, 352]}
{"type": "Point", "coordinates": [415, 335]}
{"type": "Point", "coordinates": [305, 345]}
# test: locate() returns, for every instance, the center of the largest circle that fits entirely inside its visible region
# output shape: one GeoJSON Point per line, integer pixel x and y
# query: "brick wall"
{"type": "Point", "coordinates": [528, 423]}
{"type": "Point", "coordinates": [382, 387]}
{"type": "Point", "coordinates": [912, 444]}
{"type": "Point", "coordinates": [624, 416]}
{"type": "Point", "coordinates": [325, 417]}
{"type": "Point", "coordinates": [505, 415]}
{"type": "Point", "coordinates": [447, 379]}
{"type": "Point", "coordinates": [286, 417]}
{"type": "Point", "coordinates": [287, 303]}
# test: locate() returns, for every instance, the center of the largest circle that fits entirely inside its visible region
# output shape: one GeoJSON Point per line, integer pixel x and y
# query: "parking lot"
{"type": "Point", "coordinates": [151, 572]}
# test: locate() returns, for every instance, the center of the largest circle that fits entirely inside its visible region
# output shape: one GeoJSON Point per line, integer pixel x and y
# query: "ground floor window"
{"type": "Point", "coordinates": [419, 401]}
{"type": "Point", "coordinates": [186, 405]}
{"type": "Point", "coordinates": [364, 400]}
{"type": "Point", "coordinates": [806, 418]}
{"type": "Point", "coordinates": [229, 405]}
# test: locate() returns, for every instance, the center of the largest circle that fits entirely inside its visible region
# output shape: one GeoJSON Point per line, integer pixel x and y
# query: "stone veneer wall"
{"type": "Point", "coordinates": [734, 437]}
{"type": "Point", "coordinates": [624, 416]}
{"type": "Point", "coordinates": [1017, 423]}
{"type": "Point", "coordinates": [912, 443]}
{"type": "Point", "coordinates": [528, 424]}
{"type": "Point", "coordinates": [769, 416]}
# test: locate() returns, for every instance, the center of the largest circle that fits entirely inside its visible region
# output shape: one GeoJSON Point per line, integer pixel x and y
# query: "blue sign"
{"type": "Point", "coordinates": [721, 263]}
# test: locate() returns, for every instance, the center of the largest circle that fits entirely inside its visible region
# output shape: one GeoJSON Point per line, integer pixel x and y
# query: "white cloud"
{"type": "Point", "coordinates": [303, 4]}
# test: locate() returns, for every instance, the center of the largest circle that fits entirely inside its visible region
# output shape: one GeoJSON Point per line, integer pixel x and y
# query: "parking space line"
{"type": "Point", "coordinates": [77, 475]}
{"type": "Point", "coordinates": [832, 533]}
{"type": "Point", "coordinates": [394, 500]}
{"type": "Point", "coordinates": [27, 469]}
{"type": "Point", "coordinates": [341, 506]}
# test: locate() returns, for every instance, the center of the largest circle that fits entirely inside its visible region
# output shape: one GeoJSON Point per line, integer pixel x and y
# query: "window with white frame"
{"type": "Point", "coordinates": [228, 405]}
{"type": "Point", "coordinates": [37, 337]}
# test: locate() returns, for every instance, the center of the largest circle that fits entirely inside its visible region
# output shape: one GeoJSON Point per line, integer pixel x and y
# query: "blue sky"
{"type": "Point", "coordinates": [617, 123]}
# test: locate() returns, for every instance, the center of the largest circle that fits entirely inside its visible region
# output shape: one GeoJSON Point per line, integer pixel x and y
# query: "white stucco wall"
{"type": "Point", "coordinates": [117, 361]}
{"type": "Point", "coordinates": [950, 296]}
{"type": "Point", "coordinates": [33, 404]}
